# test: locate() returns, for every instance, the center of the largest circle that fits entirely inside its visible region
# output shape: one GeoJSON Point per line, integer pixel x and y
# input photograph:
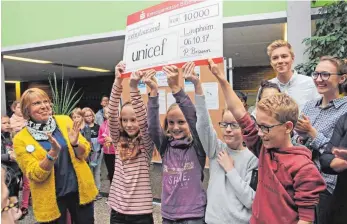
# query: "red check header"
{"type": "Point", "coordinates": [159, 9]}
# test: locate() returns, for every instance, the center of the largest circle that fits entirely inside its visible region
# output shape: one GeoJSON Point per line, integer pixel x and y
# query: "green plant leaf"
{"type": "Point", "coordinates": [64, 99]}
{"type": "Point", "coordinates": [330, 36]}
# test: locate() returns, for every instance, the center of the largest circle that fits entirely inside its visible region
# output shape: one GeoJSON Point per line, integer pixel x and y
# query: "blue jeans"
{"type": "Point", "coordinates": [97, 169]}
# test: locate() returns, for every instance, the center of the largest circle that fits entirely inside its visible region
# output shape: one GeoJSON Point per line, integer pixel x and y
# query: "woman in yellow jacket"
{"type": "Point", "coordinates": [51, 153]}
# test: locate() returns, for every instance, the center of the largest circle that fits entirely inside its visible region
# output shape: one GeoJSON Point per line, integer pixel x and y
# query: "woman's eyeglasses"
{"type": "Point", "coordinates": [323, 75]}
{"type": "Point", "coordinates": [233, 125]}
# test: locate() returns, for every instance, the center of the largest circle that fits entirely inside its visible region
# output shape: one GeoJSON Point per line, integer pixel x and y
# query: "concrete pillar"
{"type": "Point", "coordinates": [298, 27]}
{"type": "Point", "coordinates": [3, 91]}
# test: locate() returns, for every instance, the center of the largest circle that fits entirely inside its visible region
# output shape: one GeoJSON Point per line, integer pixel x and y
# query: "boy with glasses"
{"type": "Point", "coordinates": [289, 183]}
{"type": "Point", "coordinates": [229, 194]}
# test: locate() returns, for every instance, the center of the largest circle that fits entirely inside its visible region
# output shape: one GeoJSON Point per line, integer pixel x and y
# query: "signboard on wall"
{"type": "Point", "coordinates": [174, 32]}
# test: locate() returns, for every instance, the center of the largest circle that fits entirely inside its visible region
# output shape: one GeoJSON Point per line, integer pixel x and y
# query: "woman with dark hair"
{"type": "Point", "coordinates": [334, 161]}
{"type": "Point", "coordinates": [318, 118]}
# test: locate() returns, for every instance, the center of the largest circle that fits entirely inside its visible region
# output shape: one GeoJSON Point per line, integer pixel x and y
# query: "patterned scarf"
{"type": "Point", "coordinates": [128, 148]}
{"type": "Point", "coordinates": [39, 131]}
{"type": "Point", "coordinates": [183, 143]}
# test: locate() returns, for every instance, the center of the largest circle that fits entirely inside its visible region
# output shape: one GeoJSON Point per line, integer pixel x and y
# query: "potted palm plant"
{"type": "Point", "coordinates": [64, 98]}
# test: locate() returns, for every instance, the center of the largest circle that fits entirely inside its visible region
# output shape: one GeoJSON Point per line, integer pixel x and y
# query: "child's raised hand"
{"type": "Point", "coordinates": [135, 79]}
{"type": "Point", "coordinates": [215, 69]}
{"type": "Point", "coordinates": [149, 79]}
{"type": "Point", "coordinates": [172, 74]}
{"type": "Point", "coordinates": [120, 68]}
{"type": "Point", "coordinates": [189, 74]}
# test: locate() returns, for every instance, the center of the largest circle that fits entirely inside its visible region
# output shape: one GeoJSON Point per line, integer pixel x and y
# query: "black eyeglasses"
{"type": "Point", "coordinates": [266, 129]}
{"type": "Point", "coordinates": [323, 75]}
{"type": "Point", "coordinates": [233, 125]}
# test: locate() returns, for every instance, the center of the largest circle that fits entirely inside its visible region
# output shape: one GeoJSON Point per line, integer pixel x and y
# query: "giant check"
{"type": "Point", "coordinates": [174, 32]}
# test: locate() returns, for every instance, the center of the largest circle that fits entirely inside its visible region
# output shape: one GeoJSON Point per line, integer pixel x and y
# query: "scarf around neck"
{"type": "Point", "coordinates": [181, 143]}
{"type": "Point", "coordinates": [39, 130]}
{"type": "Point", "coordinates": [128, 148]}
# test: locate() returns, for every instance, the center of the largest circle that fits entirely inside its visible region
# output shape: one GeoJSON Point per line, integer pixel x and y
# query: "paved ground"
{"type": "Point", "coordinates": [101, 214]}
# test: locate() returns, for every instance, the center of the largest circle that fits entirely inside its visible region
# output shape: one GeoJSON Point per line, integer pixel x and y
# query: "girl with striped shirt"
{"type": "Point", "coordinates": [130, 194]}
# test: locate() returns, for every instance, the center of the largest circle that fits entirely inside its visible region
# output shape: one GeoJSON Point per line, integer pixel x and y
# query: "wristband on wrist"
{"type": "Point", "coordinates": [75, 146]}
{"type": "Point", "coordinates": [51, 158]}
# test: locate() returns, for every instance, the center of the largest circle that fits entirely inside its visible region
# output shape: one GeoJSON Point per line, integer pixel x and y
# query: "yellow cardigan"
{"type": "Point", "coordinates": [42, 183]}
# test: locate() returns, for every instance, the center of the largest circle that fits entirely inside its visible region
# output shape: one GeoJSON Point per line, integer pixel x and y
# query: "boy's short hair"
{"type": "Point", "coordinates": [277, 44]}
{"type": "Point", "coordinates": [281, 106]}
{"type": "Point", "coordinates": [241, 96]}
{"type": "Point", "coordinates": [104, 95]}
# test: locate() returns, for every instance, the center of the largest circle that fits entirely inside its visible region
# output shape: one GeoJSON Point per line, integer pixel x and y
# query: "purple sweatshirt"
{"type": "Point", "coordinates": [182, 195]}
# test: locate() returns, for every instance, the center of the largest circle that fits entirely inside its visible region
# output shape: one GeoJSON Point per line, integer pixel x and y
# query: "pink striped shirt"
{"type": "Point", "coordinates": [130, 191]}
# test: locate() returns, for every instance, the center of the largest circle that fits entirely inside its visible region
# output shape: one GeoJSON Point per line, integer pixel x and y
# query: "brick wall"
{"type": "Point", "coordinates": [249, 78]}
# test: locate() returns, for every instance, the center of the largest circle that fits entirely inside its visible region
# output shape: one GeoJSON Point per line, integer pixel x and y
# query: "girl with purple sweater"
{"type": "Point", "coordinates": [183, 198]}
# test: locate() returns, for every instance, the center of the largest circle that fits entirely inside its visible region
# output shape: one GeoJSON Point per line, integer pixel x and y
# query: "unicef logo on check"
{"type": "Point", "coordinates": [142, 15]}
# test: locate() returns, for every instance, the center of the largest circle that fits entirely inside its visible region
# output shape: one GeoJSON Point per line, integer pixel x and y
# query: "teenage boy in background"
{"type": "Point", "coordinates": [299, 87]}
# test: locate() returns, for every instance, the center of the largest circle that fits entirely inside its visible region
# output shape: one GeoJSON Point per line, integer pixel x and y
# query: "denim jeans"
{"type": "Point", "coordinates": [97, 170]}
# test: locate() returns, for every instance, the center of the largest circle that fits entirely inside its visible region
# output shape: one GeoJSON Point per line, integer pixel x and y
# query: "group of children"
{"type": "Point", "coordinates": [260, 171]}
{"type": "Point", "coordinates": [264, 169]}
{"type": "Point", "coordinates": [270, 180]}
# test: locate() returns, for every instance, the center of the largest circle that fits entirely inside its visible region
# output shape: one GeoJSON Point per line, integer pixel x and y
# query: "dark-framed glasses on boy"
{"type": "Point", "coordinates": [266, 128]}
{"type": "Point", "coordinates": [233, 125]}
